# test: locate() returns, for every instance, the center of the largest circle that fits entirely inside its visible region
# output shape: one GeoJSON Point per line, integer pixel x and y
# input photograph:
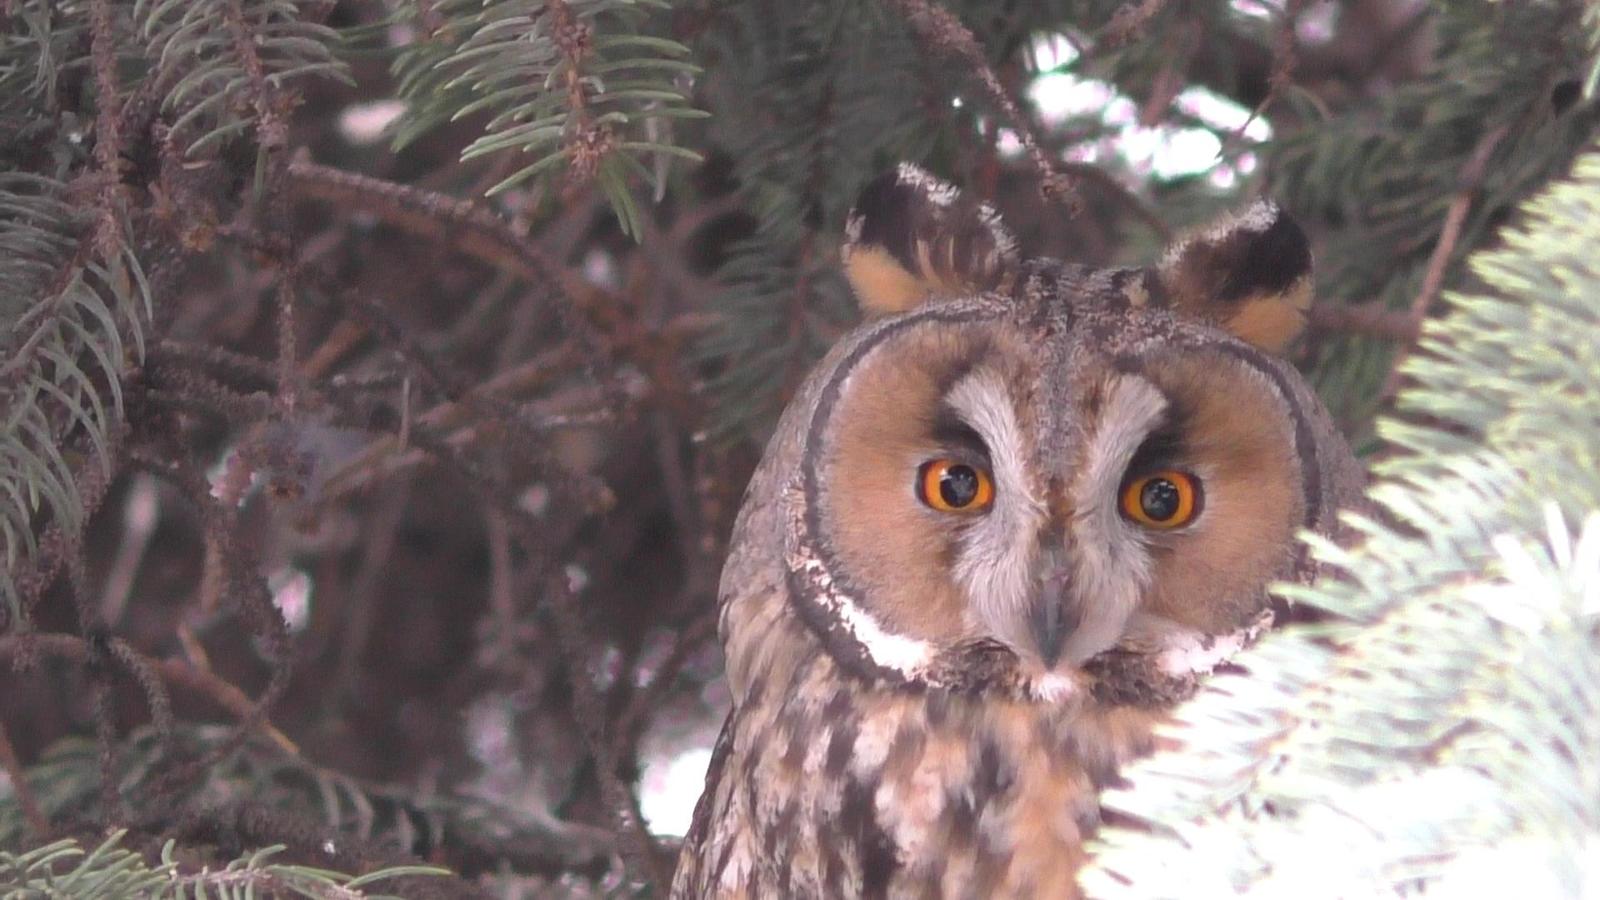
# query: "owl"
{"type": "Point", "coordinates": [1005, 525]}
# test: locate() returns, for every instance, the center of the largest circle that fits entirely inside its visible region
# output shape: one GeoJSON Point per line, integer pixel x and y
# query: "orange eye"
{"type": "Point", "coordinates": [950, 486]}
{"type": "Point", "coordinates": [1163, 499]}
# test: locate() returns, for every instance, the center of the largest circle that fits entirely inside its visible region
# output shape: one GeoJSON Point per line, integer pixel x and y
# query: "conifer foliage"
{"type": "Point", "coordinates": [379, 378]}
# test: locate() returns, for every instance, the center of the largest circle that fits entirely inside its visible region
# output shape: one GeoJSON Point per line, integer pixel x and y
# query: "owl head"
{"type": "Point", "coordinates": [1025, 475]}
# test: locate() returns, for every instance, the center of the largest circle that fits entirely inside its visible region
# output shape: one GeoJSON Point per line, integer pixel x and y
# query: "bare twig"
{"type": "Point", "coordinates": [288, 374]}
{"type": "Point", "coordinates": [1469, 180]}
{"type": "Point", "coordinates": [1285, 57]}
{"type": "Point", "coordinates": [174, 671]}
{"type": "Point", "coordinates": [245, 588]}
{"type": "Point", "coordinates": [944, 34]}
{"type": "Point", "coordinates": [1122, 194]}
{"type": "Point", "coordinates": [1370, 319]}
{"type": "Point", "coordinates": [108, 130]}
{"type": "Point", "coordinates": [1127, 23]}
{"type": "Point", "coordinates": [387, 455]}
{"type": "Point", "coordinates": [364, 599]}
{"type": "Point", "coordinates": [462, 224]}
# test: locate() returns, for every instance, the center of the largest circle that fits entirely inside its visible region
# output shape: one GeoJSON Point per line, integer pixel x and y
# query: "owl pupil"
{"type": "Point", "coordinates": [1160, 499]}
{"type": "Point", "coordinates": [959, 486]}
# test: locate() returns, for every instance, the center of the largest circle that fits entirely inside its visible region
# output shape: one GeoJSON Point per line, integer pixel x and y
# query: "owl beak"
{"type": "Point", "coordinates": [1048, 620]}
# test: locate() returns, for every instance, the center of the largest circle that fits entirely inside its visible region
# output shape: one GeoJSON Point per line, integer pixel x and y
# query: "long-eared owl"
{"type": "Point", "coordinates": [1006, 524]}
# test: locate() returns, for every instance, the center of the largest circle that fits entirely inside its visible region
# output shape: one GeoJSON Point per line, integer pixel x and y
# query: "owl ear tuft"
{"type": "Point", "coordinates": [1249, 274]}
{"type": "Point", "coordinates": [912, 238]}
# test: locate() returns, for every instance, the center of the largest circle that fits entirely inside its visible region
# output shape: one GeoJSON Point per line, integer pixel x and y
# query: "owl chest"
{"type": "Point", "coordinates": [888, 794]}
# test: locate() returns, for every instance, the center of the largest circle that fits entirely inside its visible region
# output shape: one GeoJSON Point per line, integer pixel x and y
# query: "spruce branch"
{"type": "Point", "coordinates": [1389, 173]}
{"type": "Point", "coordinates": [245, 588]}
{"type": "Point", "coordinates": [109, 871]}
{"type": "Point", "coordinates": [635, 842]}
{"type": "Point", "coordinates": [223, 65]}
{"type": "Point", "coordinates": [1471, 180]}
{"type": "Point", "coordinates": [175, 672]}
{"type": "Point", "coordinates": [465, 225]}
{"type": "Point", "coordinates": [578, 85]}
{"type": "Point", "coordinates": [943, 34]}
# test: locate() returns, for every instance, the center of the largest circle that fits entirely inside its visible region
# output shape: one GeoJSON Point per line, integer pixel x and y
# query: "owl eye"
{"type": "Point", "coordinates": [950, 486]}
{"type": "Point", "coordinates": [1163, 499]}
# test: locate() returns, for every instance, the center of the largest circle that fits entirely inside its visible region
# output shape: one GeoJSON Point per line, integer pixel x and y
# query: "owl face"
{"type": "Point", "coordinates": [1014, 470]}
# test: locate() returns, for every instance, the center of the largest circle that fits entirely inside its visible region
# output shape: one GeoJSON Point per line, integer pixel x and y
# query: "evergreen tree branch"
{"type": "Point", "coordinates": [1373, 319]}
{"type": "Point", "coordinates": [944, 35]}
{"type": "Point", "coordinates": [175, 672]}
{"type": "Point", "coordinates": [109, 871]}
{"type": "Point", "coordinates": [247, 591]}
{"type": "Point", "coordinates": [575, 84]}
{"type": "Point", "coordinates": [1471, 180]}
{"type": "Point", "coordinates": [464, 225]}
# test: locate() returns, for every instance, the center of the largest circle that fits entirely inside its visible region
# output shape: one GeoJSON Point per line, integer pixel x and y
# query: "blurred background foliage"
{"type": "Point", "coordinates": [379, 378]}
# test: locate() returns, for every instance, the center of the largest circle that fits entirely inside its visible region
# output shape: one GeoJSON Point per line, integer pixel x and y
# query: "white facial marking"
{"type": "Point", "coordinates": [995, 564]}
{"type": "Point", "coordinates": [1053, 687]}
{"type": "Point", "coordinates": [1111, 565]}
{"type": "Point", "coordinates": [1190, 652]}
{"type": "Point", "coordinates": [906, 655]}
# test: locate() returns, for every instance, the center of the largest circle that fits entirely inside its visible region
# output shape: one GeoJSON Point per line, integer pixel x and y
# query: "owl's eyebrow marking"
{"type": "Point", "coordinates": [1165, 445]}
{"type": "Point", "coordinates": [951, 431]}
{"type": "Point", "coordinates": [1161, 449]}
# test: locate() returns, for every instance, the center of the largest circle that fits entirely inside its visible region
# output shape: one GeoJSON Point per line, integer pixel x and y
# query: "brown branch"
{"type": "Point", "coordinates": [461, 224]}
{"type": "Point", "coordinates": [485, 236]}
{"type": "Point", "coordinates": [638, 847]}
{"type": "Point", "coordinates": [1285, 58]}
{"type": "Point", "coordinates": [58, 543]}
{"type": "Point", "coordinates": [244, 587]}
{"type": "Point", "coordinates": [288, 375]}
{"type": "Point", "coordinates": [1469, 180]}
{"type": "Point", "coordinates": [174, 671]}
{"type": "Point", "coordinates": [199, 678]}
{"type": "Point", "coordinates": [1122, 194]}
{"type": "Point", "coordinates": [96, 665]}
{"type": "Point", "coordinates": [364, 601]}
{"type": "Point", "coordinates": [1128, 22]}
{"type": "Point", "coordinates": [108, 130]}
{"type": "Point", "coordinates": [1369, 319]}
{"type": "Point", "coordinates": [942, 33]}
{"type": "Point", "coordinates": [272, 133]}
{"type": "Point", "coordinates": [386, 455]}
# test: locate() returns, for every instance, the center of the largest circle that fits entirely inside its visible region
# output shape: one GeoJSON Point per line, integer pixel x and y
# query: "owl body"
{"type": "Point", "coordinates": [1003, 527]}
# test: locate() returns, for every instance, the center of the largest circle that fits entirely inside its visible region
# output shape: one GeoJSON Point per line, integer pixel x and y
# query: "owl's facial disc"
{"type": "Point", "coordinates": [971, 495]}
